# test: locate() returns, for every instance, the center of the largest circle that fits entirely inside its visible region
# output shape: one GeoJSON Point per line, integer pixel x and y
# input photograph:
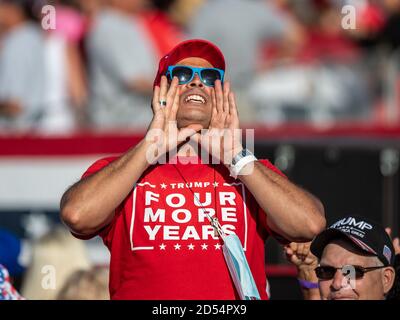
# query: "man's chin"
{"type": "Point", "coordinates": [344, 297]}
{"type": "Point", "coordinates": [194, 122]}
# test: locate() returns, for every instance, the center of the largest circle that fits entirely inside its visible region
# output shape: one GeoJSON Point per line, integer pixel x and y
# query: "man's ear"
{"type": "Point", "coordinates": [388, 276]}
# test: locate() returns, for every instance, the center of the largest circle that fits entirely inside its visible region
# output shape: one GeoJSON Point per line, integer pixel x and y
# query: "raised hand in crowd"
{"type": "Point", "coordinates": [395, 241]}
{"type": "Point", "coordinates": [299, 254]}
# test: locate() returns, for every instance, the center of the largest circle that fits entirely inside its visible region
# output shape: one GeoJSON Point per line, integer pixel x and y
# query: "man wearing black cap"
{"type": "Point", "coordinates": [356, 258]}
{"type": "Point", "coordinates": [162, 220]}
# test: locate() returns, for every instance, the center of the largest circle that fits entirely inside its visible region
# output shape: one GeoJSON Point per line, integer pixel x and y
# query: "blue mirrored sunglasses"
{"type": "Point", "coordinates": [186, 74]}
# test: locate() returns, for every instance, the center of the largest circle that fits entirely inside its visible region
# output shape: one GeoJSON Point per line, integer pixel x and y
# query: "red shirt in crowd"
{"type": "Point", "coordinates": [161, 243]}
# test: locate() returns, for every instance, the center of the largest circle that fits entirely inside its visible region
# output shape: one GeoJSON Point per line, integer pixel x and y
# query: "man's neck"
{"type": "Point", "coordinates": [187, 150]}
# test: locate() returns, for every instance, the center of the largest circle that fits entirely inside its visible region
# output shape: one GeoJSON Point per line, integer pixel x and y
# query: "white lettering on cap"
{"type": "Point", "coordinates": [362, 225]}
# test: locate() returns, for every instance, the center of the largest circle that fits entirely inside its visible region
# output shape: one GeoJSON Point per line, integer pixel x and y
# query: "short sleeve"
{"type": "Point", "coordinates": [270, 166]}
{"type": "Point", "coordinates": [263, 215]}
{"type": "Point", "coordinates": [104, 232]}
{"type": "Point", "coordinates": [97, 166]}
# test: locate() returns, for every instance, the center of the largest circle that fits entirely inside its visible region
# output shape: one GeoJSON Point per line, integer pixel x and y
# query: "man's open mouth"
{"type": "Point", "coordinates": [195, 98]}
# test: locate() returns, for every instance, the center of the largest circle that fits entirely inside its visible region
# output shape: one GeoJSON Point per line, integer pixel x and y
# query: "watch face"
{"type": "Point", "coordinates": [239, 156]}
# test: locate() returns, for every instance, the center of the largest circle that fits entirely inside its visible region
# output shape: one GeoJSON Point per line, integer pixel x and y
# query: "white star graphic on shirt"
{"type": "Point", "coordinates": [215, 184]}
{"type": "Point", "coordinates": [163, 186]}
{"type": "Point", "coordinates": [162, 246]}
{"type": "Point", "coordinates": [217, 246]}
{"type": "Point", "coordinates": [177, 247]}
{"type": "Point", "coordinates": [204, 246]}
{"type": "Point", "coordinates": [191, 247]}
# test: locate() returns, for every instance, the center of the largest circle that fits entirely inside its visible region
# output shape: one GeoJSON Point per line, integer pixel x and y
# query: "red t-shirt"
{"type": "Point", "coordinates": [163, 247]}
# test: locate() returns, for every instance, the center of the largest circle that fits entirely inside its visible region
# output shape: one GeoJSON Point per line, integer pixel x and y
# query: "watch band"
{"type": "Point", "coordinates": [239, 161]}
{"type": "Point", "coordinates": [240, 155]}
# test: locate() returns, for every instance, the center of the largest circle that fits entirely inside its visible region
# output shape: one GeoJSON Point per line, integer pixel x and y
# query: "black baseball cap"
{"type": "Point", "coordinates": [363, 233]}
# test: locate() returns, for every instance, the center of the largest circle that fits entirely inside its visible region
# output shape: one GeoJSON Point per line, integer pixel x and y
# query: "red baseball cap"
{"type": "Point", "coordinates": [191, 48]}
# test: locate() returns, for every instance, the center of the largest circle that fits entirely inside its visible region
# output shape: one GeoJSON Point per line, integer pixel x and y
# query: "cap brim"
{"type": "Point", "coordinates": [324, 238]}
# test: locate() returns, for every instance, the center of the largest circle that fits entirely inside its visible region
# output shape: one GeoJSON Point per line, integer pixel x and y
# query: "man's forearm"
{"type": "Point", "coordinates": [291, 211]}
{"type": "Point", "coordinates": [89, 204]}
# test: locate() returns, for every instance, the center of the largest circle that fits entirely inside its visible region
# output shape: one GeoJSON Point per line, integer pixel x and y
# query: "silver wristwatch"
{"type": "Point", "coordinates": [240, 155]}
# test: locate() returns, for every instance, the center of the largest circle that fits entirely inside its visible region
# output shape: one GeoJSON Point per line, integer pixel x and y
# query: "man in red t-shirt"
{"type": "Point", "coordinates": [152, 213]}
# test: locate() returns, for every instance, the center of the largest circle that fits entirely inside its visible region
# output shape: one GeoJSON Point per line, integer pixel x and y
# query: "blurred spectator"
{"type": "Point", "coordinates": [70, 23]}
{"type": "Point", "coordinates": [122, 64]}
{"type": "Point", "coordinates": [377, 33]}
{"type": "Point", "coordinates": [22, 80]}
{"type": "Point", "coordinates": [325, 37]}
{"type": "Point", "coordinates": [86, 285]}
{"type": "Point", "coordinates": [66, 75]}
{"type": "Point", "coordinates": [390, 33]}
{"type": "Point", "coordinates": [182, 11]}
{"type": "Point", "coordinates": [54, 258]}
{"type": "Point", "coordinates": [90, 8]}
{"type": "Point", "coordinates": [41, 75]}
{"type": "Point", "coordinates": [321, 94]}
{"type": "Point", "coordinates": [378, 23]}
{"type": "Point", "coordinates": [7, 290]}
{"type": "Point", "coordinates": [387, 41]}
{"type": "Point", "coordinates": [326, 82]}
{"type": "Point", "coordinates": [11, 252]}
{"type": "Point", "coordinates": [394, 293]}
{"type": "Point", "coordinates": [164, 32]}
{"type": "Point", "coordinates": [370, 19]}
{"type": "Point", "coordinates": [395, 241]}
{"type": "Point", "coordinates": [60, 91]}
{"type": "Point", "coordinates": [241, 28]}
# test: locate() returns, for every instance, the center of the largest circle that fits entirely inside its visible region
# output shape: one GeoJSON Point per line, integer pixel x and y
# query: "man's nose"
{"type": "Point", "coordinates": [339, 280]}
{"type": "Point", "coordinates": [196, 82]}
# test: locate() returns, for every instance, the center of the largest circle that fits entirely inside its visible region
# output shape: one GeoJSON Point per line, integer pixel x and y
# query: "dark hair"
{"type": "Point", "coordinates": [394, 293]}
{"type": "Point", "coordinates": [162, 5]}
{"type": "Point", "coordinates": [31, 8]}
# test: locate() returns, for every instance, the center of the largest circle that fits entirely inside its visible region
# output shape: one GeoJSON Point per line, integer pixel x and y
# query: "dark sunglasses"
{"type": "Point", "coordinates": [186, 74]}
{"type": "Point", "coordinates": [328, 272]}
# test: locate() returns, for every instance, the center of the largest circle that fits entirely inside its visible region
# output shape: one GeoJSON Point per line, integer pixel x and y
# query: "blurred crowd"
{"type": "Point", "coordinates": [304, 60]}
{"type": "Point", "coordinates": [288, 61]}
{"type": "Point", "coordinates": [57, 266]}
{"type": "Point", "coordinates": [54, 266]}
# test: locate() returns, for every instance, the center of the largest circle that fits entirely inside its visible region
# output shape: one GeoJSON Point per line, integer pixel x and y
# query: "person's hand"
{"type": "Point", "coordinates": [163, 134]}
{"type": "Point", "coordinates": [300, 255]}
{"type": "Point", "coordinates": [395, 241]}
{"type": "Point", "coordinates": [222, 140]}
